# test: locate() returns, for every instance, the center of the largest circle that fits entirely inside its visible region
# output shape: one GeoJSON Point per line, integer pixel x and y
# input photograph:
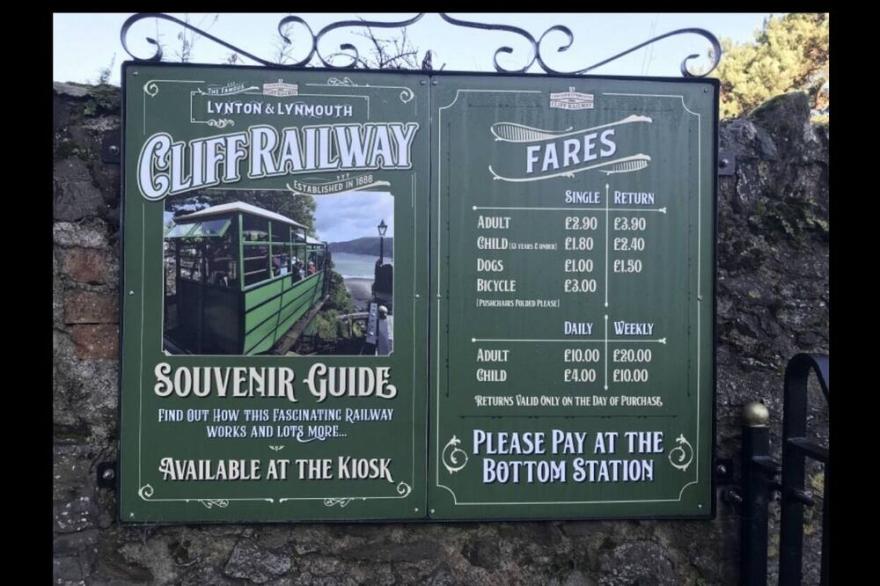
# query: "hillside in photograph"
{"type": "Point", "coordinates": [368, 245]}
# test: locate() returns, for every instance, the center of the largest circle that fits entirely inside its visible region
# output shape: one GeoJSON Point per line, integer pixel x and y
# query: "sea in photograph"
{"type": "Point", "coordinates": [358, 271]}
{"type": "Point", "coordinates": [357, 266]}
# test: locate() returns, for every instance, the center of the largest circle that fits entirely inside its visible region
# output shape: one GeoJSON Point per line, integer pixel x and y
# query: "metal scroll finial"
{"type": "Point", "coordinates": [715, 54]}
{"type": "Point", "coordinates": [505, 49]}
{"type": "Point", "coordinates": [349, 50]}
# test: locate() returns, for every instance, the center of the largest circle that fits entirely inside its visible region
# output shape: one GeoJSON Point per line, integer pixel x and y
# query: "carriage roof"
{"type": "Point", "coordinates": [237, 206]}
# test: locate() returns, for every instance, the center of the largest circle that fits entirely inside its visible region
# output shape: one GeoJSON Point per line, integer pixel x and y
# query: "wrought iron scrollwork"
{"type": "Point", "coordinates": [349, 50]}
{"type": "Point", "coordinates": [685, 71]}
{"type": "Point", "coordinates": [508, 50]}
{"type": "Point", "coordinates": [283, 25]}
{"type": "Point", "coordinates": [157, 56]}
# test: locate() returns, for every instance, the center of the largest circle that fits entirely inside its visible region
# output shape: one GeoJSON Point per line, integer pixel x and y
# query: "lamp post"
{"type": "Point", "coordinates": [382, 229]}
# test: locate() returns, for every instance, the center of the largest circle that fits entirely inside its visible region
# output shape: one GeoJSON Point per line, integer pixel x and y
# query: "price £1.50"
{"type": "Point", "coordinates": [629, 265]}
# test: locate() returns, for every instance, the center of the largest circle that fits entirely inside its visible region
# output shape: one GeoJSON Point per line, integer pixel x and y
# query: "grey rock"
{"type": "Point", "coordinates": [57, 296]}
{"type": "Point", "coordinates": [640, 562]}
{"type": "Point", "coordinates": [255, 564]}
{"type": "Point", "coordinates": [200, 575]}
{"type": "Point", "coordinates": [71, 543]}
{"type": "Point", "coordinates": [70, 89]}
{"type": "Point", "coordinates": [394, 552]}
{"type": "Point", "coordinates": [66, 570]}
{"type": "Point", "coordinates": [153, 558]}
{"type": "Point", "coordinates": [76, 197]}
{"type": "Point", "coordinates": [443, 576]}
{"type": "Point", "coordinates": [484, 553]}
{"type": "Point", "coordinates": [784, 117]}
{"type": "Point", "coordinates": [86, 392]}
{"type": "Point", "coordinates": [577, 578]}
{"type": "Point", "coordinates": [75, 515]}
{"type": "Point", "coordinates": [89, 234]}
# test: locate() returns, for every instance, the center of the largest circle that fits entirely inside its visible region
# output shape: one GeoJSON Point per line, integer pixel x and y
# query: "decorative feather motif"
{"type": "Point", "coordinates": [513, 132]}
{"type": "Point", "coordinates": [626, 166]}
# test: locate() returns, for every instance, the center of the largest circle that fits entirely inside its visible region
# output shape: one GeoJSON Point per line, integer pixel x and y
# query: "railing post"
{"type": "Point", "coordinates": [791, 526]}
{"type": "Point", "coordinates": [755, 481]}
{"type": "Point", "coordinates": [794, 429]}
{"type": "Point", "coordinates": [825, 578]}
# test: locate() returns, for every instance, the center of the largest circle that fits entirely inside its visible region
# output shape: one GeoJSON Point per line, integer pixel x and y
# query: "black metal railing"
{"type": "Point", "coordinates": [759, 479]}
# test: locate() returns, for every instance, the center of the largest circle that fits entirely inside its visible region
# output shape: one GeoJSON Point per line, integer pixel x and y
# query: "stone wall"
{"type": "Point", "coordinates": [772, 303]}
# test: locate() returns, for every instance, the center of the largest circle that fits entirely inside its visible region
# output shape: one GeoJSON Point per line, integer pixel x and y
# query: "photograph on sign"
{"type": "Point", "coordinates": [242, 276]}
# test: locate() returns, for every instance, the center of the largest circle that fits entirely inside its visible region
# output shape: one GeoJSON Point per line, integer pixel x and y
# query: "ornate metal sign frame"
{"type": "Point", "coordinates": [452, 454]}
{"type": "Point", "coordinates": [352, 52]}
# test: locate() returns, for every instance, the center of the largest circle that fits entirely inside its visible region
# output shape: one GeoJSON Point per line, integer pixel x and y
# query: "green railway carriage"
{"type": "Point", "coordinates": [242, 277]}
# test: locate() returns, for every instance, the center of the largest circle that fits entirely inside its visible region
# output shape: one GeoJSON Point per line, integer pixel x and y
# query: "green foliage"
{"type": "Point", "coordinates": [339, 297]}
{"type": "Point", "coordinates": [102, 99]}
{"type": "Point", "coordinates": [105, 73]}
{"type": "Point", "coordinates": [326, 326]}
{"type": "Point", "coordinates": [790, 53]}
{"type": "Point", "coordinates": [330, 330]}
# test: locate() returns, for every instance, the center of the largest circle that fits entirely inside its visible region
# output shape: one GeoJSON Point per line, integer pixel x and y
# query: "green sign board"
{"type": "Point", "coordinates": [249, 195]}
{"type": "Point", "coordinates": [573, 275]}
{"type": "Point", "coordinates": [365, 295]}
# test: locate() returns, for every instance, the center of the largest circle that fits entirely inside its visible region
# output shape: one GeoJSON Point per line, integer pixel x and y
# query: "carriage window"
{"type": "Point", "coordinates": [220, 262]}
{"type": "Point", "coordinates": [297, 262]}
{"type": "Point", "coordinates": [273, 249]}
{"type": "Point", "coordinates": [280, 232]}
{"type": "Point", "coordinates": [280, 260]}
{"type": "Point", "coordinates": [208, 228]}
{"type": "Point", "coordinates": [256, 264]}
{"type": "Point", "coordinates": [280, 248]}
{"type": "Point", "coordinates": [204, 252]}
{"type": "Point", "coordinates": [178, 231]}
{"type": "Point", "coordinates": [255, 228]}
{"type": "Point", "coordinates": [211, 228]}
{"type": "Point", "coordinates": [315, 262]}
{"type": "Point", "coordinates": [255, 249]}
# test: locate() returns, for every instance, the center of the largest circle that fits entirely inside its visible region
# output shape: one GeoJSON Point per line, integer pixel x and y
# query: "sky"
{"type": "Point", "coordinates": [353, 215]}
{"type": "Point", "coordinates": [84, 44]}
